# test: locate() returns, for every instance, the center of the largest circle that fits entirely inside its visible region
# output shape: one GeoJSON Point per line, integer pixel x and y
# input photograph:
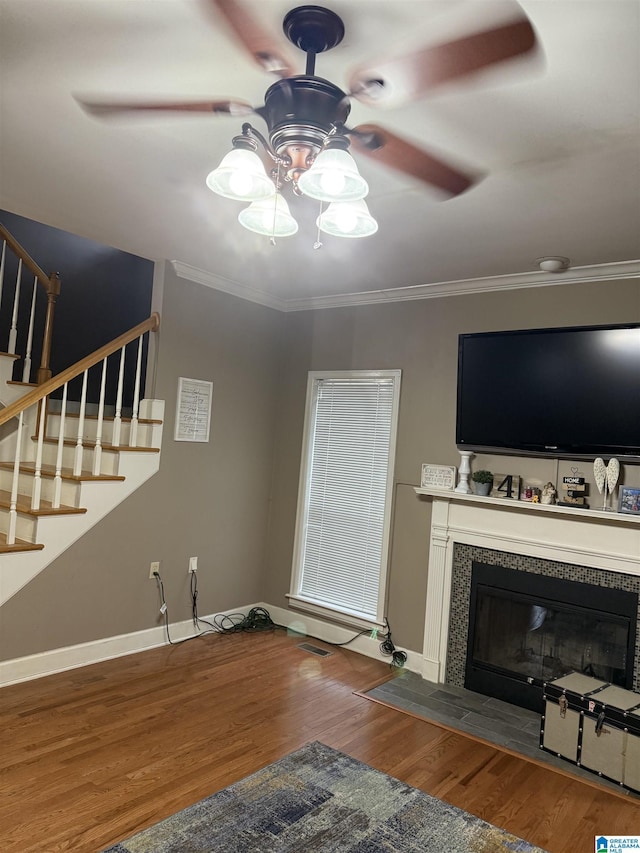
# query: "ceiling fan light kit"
{"type": "Point", "coordinates": [307, 140]}
{"type": "Point", "coordinates": [269, 216]}
{"type": "Point", "coordinates": [347, 219]}
{"type": "Point", "coordinates": [333, 176]}
{"type": "Point", "coordinates": [241, 176]}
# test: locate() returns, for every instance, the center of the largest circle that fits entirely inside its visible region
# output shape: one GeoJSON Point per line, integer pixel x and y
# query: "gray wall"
{"type": "Point", "coordinates": [232, 501]}
{"type": "Point", "coordinates": [208, 500]}
{"type": "Point", "coordinates": [421, 338]}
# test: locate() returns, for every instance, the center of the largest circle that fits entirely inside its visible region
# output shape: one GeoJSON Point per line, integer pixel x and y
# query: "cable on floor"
{"type": "Point", "coordinates": [398, 657]}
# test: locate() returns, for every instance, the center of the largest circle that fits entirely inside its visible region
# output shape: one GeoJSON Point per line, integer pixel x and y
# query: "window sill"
{"type": "Point", "coordinates": [344, 617]}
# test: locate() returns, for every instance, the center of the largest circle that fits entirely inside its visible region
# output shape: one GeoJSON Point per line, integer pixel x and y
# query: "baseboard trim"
{"type": "Point", "coordinates": [84, 654]}
{"type": "Point", "coordinates": [31, 667]}
{"type": "Point", "coordinates": [320, 629]}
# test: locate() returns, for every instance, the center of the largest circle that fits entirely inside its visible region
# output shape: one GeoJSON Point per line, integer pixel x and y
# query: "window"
{"type": "Point", "coordinates": [344, 502]}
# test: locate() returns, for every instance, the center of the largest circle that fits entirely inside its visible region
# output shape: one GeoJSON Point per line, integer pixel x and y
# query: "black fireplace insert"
{"type": "Point", "coordinates": [525, 629]}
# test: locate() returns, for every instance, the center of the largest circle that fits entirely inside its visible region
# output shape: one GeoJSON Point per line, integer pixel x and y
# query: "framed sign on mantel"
{"type": "Point", "coordinates": [438, 477]}
{"type": "Point", "coordinates": [193, 410]}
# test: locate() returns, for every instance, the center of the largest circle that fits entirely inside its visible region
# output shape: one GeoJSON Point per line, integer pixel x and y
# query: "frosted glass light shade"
{"type": "Point", "coordinates": [347, 219]}
{"type": "Point", "coordinates": [270, 217]}
{"type": "Point", "coordinates": [241, 176]}
{"type": "Point", "coordinates": [333, 176]}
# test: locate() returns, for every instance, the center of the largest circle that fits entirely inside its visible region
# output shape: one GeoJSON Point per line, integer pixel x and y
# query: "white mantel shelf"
{"type": "Point", "coordinates": [608, 517]}
{"type": "Point", "coordinates": [582, 537]}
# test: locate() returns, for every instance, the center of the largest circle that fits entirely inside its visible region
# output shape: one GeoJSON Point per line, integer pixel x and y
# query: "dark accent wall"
{"type": "Point", "coordinates": [104, 292]}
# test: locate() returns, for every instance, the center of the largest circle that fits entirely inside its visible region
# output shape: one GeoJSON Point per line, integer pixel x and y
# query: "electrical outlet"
{"type": "Point", "coordinates": [193, 564]}
{"type": "Point", "coordinates": [154, 567]}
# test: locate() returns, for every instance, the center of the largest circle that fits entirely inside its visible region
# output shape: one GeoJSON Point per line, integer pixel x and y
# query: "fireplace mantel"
{"type": "Point", "coordinates": [603, 540]}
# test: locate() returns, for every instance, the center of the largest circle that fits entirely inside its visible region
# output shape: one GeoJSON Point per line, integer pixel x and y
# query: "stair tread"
{"type": "Point", "coordinates": [10, 355]}
{"type": "Point", "coordinates": [88, 443]}
{"type": "Point", "coordinates": [65, 473]}
{"type": "Point", "coordinates": [110, 418]}
{"type": "Point", "coordinates": [23, 504]}
{"type": "Point", "coordinates": [19, 545]}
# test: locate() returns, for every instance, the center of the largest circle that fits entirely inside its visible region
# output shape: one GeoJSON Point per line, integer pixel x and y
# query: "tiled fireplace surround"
{"type": "Point", "coordinates": [596, 548]}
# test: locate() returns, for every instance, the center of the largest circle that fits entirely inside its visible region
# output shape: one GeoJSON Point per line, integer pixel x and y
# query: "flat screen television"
{"type": "Point", "coordinates": [564, 392]}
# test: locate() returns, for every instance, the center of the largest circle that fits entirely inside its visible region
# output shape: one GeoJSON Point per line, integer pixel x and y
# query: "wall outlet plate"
{"type": "Point", "coordinates": [193, 564]}
{"type": "Point", "coordinates": [154, 567]}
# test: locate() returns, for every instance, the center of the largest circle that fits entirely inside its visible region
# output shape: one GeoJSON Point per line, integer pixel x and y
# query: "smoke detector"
{"type": "Point", "coordinates": [553, 263]}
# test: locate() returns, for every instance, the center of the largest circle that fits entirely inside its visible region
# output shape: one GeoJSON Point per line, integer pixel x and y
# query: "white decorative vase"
{"type": "Point", "coordinates": [464, 471]}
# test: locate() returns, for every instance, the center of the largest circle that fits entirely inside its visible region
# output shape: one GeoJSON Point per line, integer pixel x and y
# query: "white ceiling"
{"type": "Point", "coordinates": [558, 139]}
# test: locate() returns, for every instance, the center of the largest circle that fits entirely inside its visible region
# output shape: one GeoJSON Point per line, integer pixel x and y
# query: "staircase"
{"type": "Point", "coordinates": [65, 463]}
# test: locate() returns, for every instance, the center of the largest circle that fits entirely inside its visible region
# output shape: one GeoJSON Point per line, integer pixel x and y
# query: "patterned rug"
{"type": "Point", "coordinates": [318, 800]}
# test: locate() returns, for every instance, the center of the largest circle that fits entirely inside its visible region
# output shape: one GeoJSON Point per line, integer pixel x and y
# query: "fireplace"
{"type": "Point", "coordinates": [596, 548]}
{"type": "Point", "coordinates": [525, 629]}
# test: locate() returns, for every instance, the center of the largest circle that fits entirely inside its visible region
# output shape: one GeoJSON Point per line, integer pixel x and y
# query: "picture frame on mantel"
{"type": "Point", "coordinates": [442, 477]}
{"type": "Point", "coordinates": [629, 500]}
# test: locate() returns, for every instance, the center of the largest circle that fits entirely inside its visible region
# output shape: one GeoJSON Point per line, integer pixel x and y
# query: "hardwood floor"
{"type": "Point", "coordinates": [93, 755]}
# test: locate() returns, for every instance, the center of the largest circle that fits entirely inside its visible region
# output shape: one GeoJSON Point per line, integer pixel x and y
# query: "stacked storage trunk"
{"type": "Point", "coordinates": [595, 725]}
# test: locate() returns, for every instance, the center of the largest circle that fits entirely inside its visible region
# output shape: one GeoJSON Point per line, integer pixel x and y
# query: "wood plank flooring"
{"type": "Point", "coordinates": [90, 756]}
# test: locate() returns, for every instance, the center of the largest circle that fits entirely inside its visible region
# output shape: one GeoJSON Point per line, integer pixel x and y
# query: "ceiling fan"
{"type": "Point", "coordinates": [306, 115]}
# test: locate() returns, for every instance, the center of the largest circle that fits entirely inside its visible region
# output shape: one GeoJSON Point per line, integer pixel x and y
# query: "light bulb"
{"type": "Point", "coordinates": [346, 219]}
{"type": "Point", "coordinates": [332, 182]}
{"type": "Point", "coordinates": [240, 183]}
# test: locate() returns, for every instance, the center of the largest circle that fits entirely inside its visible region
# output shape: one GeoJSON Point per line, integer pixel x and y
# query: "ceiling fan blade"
{"type": "Point", "coordinates": [263, 47]}
{"type": "Point", "coordinates": [416, 74]}
{"type": "Point", "coordinates": [397, 153]}
{"type": "Point", "coordinates": [112, 108]}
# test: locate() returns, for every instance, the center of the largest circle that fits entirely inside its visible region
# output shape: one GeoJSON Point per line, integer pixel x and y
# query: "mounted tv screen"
{"type": "Point", "coordinates": [567, 392]}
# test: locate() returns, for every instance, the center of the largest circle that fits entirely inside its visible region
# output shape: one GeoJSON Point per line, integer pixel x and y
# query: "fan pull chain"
{"type": "Point", "coordinates": [318, 243]}
{"type": "Point", "coordinates": [272, 239]}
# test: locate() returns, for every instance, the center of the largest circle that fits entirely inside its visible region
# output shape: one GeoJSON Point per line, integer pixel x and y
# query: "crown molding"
{"type": "Point", "coordinates": [516, 281]}
{"type": "Point", "coordinates": [227, 285]}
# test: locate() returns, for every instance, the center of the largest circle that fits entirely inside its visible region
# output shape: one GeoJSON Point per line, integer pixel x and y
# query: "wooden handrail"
{"type": "Point", "coordinates": [26, 258]}
{"type": "Point", "coordinates": [51, 284]}
{"type": "Point", "coordinates": [151, 324]}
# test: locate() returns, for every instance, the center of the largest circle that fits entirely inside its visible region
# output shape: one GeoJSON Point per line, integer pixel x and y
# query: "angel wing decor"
{"type": "Point", "coordinates": [606, 477]}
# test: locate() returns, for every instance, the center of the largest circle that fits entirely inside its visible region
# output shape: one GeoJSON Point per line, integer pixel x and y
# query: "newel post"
{"type": "Point", "coordinates": [53, 291]}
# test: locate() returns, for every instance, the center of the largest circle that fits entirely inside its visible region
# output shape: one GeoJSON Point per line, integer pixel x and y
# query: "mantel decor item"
{"type": "Point", "coordinates": [483, 481]}
{"type": "Point", "coordinates": [629, 500]}
{"type": "Point", "coordinates": [606, 477]}
{"type": "Point", "coordinates": [438, 477]}
{"type": "Point", "coordinates": [464, 471]}
{"type": "Point", "coordinates": [549, 494]}
{"type": "Point", "coordinates": [506, 486]}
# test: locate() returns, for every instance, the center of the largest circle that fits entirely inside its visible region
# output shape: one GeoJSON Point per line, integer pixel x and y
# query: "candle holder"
{"type": "Point", "coordinates": [464, 471]}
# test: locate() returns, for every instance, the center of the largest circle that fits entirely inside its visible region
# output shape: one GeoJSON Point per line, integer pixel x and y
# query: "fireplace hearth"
{"type": "Point", "coordinates": [526, 628]}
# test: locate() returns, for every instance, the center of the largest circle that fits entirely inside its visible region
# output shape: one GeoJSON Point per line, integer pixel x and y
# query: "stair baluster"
{"type": "Point", "coordinates": [26, 369]}
{"type": "Point", "coordinates": [97, 450]}
{"type": "Point", "coordinates": [13, 508]}
{"type": "Point", "coordinates": [57, 481]}
{"type": "Point", "coordinates": [13, 333]}
{"type": "Point", "coordinates": [117, 421]}
{"type": "Point", "coordinates": [133, 436]}
{"type": "Point", "coordinates": [77, 465]}
{"type": "Point", "coordinates": [37, 480]}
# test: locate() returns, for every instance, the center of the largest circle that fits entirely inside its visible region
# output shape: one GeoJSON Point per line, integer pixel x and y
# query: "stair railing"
{"type": "Point", "coordinates": [51, 285]}
{"type": "Point", "coordinates": [33, 406]}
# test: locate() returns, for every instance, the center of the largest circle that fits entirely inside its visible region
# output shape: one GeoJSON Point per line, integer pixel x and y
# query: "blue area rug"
{"type": "Point", "coordinates": [318, 800]}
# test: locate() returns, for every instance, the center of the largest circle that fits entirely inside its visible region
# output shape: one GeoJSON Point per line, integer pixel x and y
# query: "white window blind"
{"type": "Point", "coordinates": [346, 488]}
